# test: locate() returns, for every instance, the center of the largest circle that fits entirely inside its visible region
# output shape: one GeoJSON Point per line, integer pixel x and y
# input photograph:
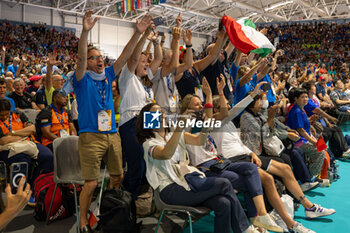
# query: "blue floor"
{"type": "Point", "coordinates": [337, 196]}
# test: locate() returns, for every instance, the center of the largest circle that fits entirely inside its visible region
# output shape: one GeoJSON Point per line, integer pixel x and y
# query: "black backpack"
{"type": "Point", "coordinates": [118, 212]}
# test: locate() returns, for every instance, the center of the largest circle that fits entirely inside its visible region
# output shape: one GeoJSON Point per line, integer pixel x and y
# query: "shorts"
{"type": "Point", "coordinates": [93, 147]}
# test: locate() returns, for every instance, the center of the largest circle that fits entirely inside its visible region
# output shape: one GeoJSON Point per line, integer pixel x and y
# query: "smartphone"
{"type": "Point", "coordinates": [161, 33]}
{"type": "Point", "coordinates": [266, 87]}
{"type": "Point", "coordinates": [18, 170]}
{"type": "Point", "coordinates": [3, 173]}
{"type": "Point", "coordinates": [199, 116]}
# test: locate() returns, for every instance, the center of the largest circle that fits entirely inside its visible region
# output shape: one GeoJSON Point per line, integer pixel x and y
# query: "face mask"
{"type": "Point", "coordinates": [265, 104]}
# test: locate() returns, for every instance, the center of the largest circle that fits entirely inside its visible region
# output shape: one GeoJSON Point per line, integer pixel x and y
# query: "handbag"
{"type": "Point", "coordinates": [271, 146]}
{"type": "Point", "coordinates": [22, 146]}
{"type": "Point", "coordinates": [220, 165]}
{"type": "Point", "coordinates": [183, 168]}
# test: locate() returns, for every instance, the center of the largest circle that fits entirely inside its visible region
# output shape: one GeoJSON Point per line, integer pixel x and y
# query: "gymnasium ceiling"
{"type": "Point", "coordinates": [202, 15]}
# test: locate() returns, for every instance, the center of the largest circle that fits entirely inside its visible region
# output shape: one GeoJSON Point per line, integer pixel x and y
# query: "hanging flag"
{"type": "Point", "coordinates": [155, 2]}
{"type": "Point", "coordinates": [162, 1]}
{"type": "Point", "coordinates": [148, 2]}
{"type": "Point", "coordinates": [119, 6]}
{"type": "Point", "coordinates": [130, 5]}
{"type": "Point", "coordinates": [246, 38]}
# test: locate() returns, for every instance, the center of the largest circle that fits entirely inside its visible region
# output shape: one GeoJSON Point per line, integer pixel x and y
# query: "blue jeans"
{"type": "Point", "coordinates": [243, 177]}
{"type": "Point", "coordinates": [219, 196]}
{"type": "Point", "coordinates": [133, 154]}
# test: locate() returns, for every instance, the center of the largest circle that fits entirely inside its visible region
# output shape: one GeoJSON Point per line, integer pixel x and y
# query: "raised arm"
{"type": "Point", "coordinates": [141, 27]}
{"type": "Point", "coordinates": [3, 53]}
{"type": "Point", "coordinates": [175, 56]}
{"type": "Point", "coordinates": [223, 102]}
{"type": "Point", "coordinates": [187, 36]}
{"type": "Point", "coordinates": [213, 53]}
{"type": "Point", "coordinates": [88, 24]}
{"type": "Point", "coordinates": [23, 60]}
{"type": "Point", "coordinates": [134, 58]}
{"type": "Point", "coordinates": [158, 55]}
{"type": "Point", "coordinates": [247, 77]}
{"type": "Point", "coordinates": [51, 61]}
{"type": "Point", "coordinates": [208, 97]}
{"type": "Point", "coordinates": [238, 57]}
{"type": "Point", "coordinates": [166, 152]}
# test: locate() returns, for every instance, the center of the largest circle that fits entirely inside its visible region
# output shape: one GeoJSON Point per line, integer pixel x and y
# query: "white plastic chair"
{"type": "Point", "coordinates": [31, 114]}
{"type": "Point", "coordinates": [199, 210]}
{"type": "Point", "coordinates": [67, 167]}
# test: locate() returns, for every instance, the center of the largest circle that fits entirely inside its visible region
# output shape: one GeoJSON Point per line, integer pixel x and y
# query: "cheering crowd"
{"type": "Point", "coordinates": [273, 123]}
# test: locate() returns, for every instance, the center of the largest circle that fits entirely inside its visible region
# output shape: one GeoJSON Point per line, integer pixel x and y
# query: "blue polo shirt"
{"type": "Point", "coordinates": [234, 71]}
{"type": "Point", "coordinates": [297, 118]}
{"type": "Point", "coordinates": [13, 105]}
{"type": "Point", "coordinates": [13, 69]}
{"type": "Point", "coordinates": [90, 101]}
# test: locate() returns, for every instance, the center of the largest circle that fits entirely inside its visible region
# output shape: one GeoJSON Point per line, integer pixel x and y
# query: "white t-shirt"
{"type": "Point", "coordinates": [133, 94]}
{"type": "Point", "coordinates": [160, 173]}
{"type": "Point", "coordinates": [201, 154]}
{"type": "Point", "coordinates": [165, 91]}
{"type": "Point", "coordinates": [228, 141]}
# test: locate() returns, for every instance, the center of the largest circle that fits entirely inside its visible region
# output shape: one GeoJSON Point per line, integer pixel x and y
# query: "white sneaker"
{"type": "Point", "coordinates": [309, 185]}
{"type": "Point", "coordinates": [298, 228]}
{"type": "Point", "coordinates": [267, 222]}
{"type": "Point", "coordinates": [318, 211]}
{"type": "Point", "coordinates": [251, 229]}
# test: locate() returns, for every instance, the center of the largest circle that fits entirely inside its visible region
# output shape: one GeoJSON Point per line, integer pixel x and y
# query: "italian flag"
{"type": "Point", "coordinates": [246, 38]}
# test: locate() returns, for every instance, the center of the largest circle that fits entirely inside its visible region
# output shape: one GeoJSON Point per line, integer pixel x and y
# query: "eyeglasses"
{"type": "Point", "coordinates": [95, 57]}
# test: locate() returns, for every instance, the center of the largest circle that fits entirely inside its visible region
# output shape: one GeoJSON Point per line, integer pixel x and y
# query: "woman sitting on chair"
{"type": "Point", "coordinates": [15, 126]}
{"type": "Point", "coordinates": [164, 149]}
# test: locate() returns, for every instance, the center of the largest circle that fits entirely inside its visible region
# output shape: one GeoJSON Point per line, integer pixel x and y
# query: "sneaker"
{"type": "Point", "coordinates": [324, 183]}
{"type": "Point", "coordinates": [298, 228]}
{"type": "Point", "coordinates": [278, 220]}
{"type": "Point", "coordinates": [318, 211]}
{"type": "Point", "coordinates": [251, 229]}
{"type": "Point", "coordinates": [346, 155]}
{"type": "Point", "coordinates": [308, 186]}
{"type": "Point", "coordinates": [31, 202]}
{"type": "Point", "coordinates": [267, 222]}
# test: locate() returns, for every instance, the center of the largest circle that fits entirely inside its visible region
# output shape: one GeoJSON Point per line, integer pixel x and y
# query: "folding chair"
{"type": "Point", "coordinates": [67, 167]}
{"type": "Point", "coordinates": [199, 210]}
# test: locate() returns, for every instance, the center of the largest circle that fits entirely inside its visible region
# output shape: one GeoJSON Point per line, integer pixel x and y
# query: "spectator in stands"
{"type": "Point", "coordinates": [243, 176]}
{"type": "Point", "coordinates": [189, 82]}
{"type": "Point", "coordinates": [297, 120]}
{"type": "Point", "coordinates": [135, 92]}
{"type": "Point", "coordinates": [162, 150]}
{"type": "Point", "coordinates": [321, 92]}
{"type": "Point", "coordinates": [15, 203]}
{"type": "Point", "coordinates": [22, 99]}
{"type": "Point", "coordinates": [163, 82]}
{"type": "Point", "coordinates": [54, 121]}
{"type": "Point", "coordinates": [3, 94]}
{"type": "Point", "coordinates": [230, 146]}
{"type": "Point", "coordinates": [253, 127]}
{"type": "Point", "coordinates": [339, 98]}
{"type": "Point", "coordinates": [34, 86]}
{"type": "Point", "coordinates": [98, 137]}
{"type": "Point", "coordinates": [218, 67]}
{"type": "Point", "coordinates": [15, 126]}
{"type": "Point", "coordinates": [116, 100]}
{"type": "Point", "coordinates": [14, 66]}
{"type": "Point", "coordinates": [9, 86]}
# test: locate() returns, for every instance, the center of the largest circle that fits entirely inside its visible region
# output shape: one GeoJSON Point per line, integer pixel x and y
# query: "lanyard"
{"type": "Point", "coordinates": [147, 90]}
{"type": "Point", "coordinates": [212, 141]}
{"type": "Point", "coordinates": [60, 120]}
{"type": "Point", "coordinates": [102, 92]}
{"type": "Point", "coordinates": [169, 84]}
{"type": "Point", "coordinates": [9, 127]}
